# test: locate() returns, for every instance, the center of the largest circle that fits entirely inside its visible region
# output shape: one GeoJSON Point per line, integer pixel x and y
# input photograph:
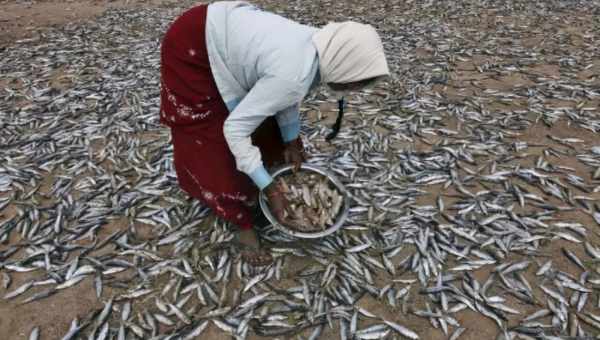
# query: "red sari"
{"type": "Point", "coordinates": [194, 110]}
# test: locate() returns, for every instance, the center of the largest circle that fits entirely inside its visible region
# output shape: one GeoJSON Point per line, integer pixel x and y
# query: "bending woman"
{"type": "Point", "coordinates": [232, 80]}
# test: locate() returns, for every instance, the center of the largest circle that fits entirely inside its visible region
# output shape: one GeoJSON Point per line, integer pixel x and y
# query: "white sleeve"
{"type": "Point", "coordinates": [268, 96]}
{"type": "Point", "coordinates": [289, 122]}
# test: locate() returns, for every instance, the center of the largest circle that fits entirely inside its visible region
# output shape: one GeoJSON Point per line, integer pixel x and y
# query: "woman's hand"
{"type": "Point", "coordinates": [277, 201]}
{"type": "Point", "coordinates": [294, 153]}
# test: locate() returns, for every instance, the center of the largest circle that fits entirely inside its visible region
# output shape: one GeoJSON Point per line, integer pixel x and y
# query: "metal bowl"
{"type": "Point", "coordinates": [342, 215]}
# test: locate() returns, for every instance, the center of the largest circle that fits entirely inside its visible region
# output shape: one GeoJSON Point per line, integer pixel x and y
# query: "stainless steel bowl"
{"type": "Point", "coordinates": [342, 215]}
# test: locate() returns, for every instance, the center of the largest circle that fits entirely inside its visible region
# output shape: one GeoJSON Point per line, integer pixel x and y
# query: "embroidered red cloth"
{"type": "Point", "coordinates": [194, 110]}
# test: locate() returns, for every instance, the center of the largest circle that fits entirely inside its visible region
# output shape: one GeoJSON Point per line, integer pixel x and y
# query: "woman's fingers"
{"type": "Point", "coordinates": [286, 156]}
{"type": "Point", "coordinates": [297, 162]}
{"type": "Point", "coordinates": [294, 161]}
{"type": "Point", "coordinates": [277, 203]}
{"type": "Point", "coordinates": [294, 154]}
{"type": "Point", "coordinates": [281, 218]}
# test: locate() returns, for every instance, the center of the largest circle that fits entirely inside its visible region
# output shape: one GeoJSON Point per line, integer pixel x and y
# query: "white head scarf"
{"type": "Point", "coordinates": [349, 52]}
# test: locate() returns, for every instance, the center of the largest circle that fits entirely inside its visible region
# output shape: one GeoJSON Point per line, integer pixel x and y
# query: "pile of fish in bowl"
{"type": "Point", "coordinates": [318, 206]}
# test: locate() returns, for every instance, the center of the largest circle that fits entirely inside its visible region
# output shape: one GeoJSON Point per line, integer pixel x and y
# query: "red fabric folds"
{"type": "Point", "coordinates": [194, 110]}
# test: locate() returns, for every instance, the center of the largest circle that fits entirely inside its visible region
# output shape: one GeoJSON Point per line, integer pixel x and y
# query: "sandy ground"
{"type": "Point", "coordinates": [24, 19]}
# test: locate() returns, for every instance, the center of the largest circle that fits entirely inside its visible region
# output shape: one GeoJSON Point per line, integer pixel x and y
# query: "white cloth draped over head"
{"type": "Point", "coordinates": [349, 52]}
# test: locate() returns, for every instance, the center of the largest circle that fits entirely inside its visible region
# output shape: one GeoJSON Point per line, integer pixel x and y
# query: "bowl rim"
{"type": "Point", "coordinates": [342, 216]}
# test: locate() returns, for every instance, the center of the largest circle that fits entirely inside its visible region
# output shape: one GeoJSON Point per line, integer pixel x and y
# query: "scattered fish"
{"type": "Point", "coordinates": [442, 173]}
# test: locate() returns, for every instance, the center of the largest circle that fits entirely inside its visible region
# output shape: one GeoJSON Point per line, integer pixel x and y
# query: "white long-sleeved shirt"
{"type": "Point", "coordinates": [263, 65]}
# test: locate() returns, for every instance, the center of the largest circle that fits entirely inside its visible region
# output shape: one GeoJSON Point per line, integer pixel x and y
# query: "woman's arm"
{"type": "Point", "coordinates": [289, 122]}
{"type": "Point", "coordinates": [268, 96]}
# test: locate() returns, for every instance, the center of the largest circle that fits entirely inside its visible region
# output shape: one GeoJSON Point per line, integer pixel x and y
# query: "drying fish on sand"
{"type": "Point", "coordinates": [472, 174]}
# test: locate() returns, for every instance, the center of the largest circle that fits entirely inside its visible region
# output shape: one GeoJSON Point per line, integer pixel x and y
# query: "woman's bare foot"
{"type": "Point", "coordinates": [251, 250]}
